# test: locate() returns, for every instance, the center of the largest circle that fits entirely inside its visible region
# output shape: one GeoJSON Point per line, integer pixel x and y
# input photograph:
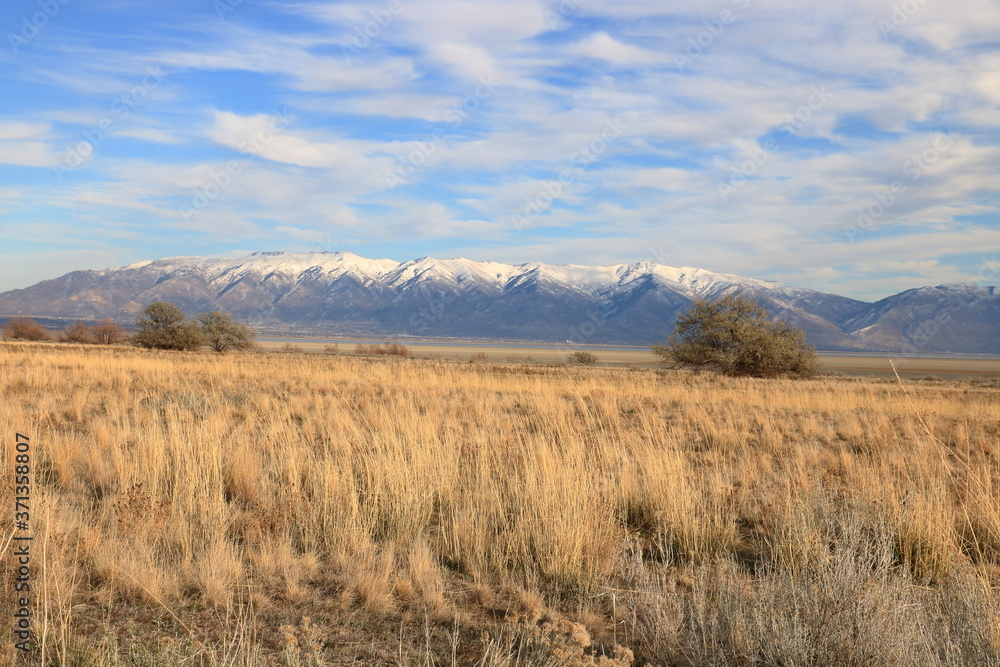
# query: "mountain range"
{"type": "Point", "coordinates": [343, 294]}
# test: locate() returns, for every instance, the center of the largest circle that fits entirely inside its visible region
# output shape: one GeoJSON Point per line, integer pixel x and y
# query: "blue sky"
{"type": "Point", "coordinates": [851, 147]}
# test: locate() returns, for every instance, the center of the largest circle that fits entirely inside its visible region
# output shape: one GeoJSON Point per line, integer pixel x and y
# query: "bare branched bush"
{"type": "Point", "coordinates": [78, 333]}
{"type": "Point", "coordinates": [25, 328]}
{"type": "Point", "coordinates": [108, 332]}
{"type": "Point", "coordinates": [736, 336]}
{"type": "Point", "coordinates": [385, 350]}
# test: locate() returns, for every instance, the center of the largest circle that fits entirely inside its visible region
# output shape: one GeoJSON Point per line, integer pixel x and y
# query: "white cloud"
{"type": "Point", "coordinates": [468, 60]}
{"type": "Point", "coordinates": [26, 153]}
{"type": "Point", "coordinates": [392, 104]}
{"type": "Point", "coordinates": [308, 71]}
{"type": "Point", "coordinates": [603, 46]}
{"type": "Point", "coordinates": [13, 129]}
{"type": "Point", "coordinates": [265, 136]}
{"type": "Point", "coordinates": [685, 130]}
{"type": "Point", "coordinates": [153, 134]}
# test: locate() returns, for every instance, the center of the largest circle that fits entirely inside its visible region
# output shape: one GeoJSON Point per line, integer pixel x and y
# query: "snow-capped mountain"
{"type": "Point", "coordinates": [948, 318]}
{"type": "Point", "coordinates": [342, 293]}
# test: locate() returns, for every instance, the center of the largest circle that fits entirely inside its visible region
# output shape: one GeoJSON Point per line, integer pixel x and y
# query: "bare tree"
{"type": "Point", "coordinates": [25, 328]}
{"type": "Point", "coordinates": [108, 333]}
{"type": "Point", "coordinates": [78, 333]}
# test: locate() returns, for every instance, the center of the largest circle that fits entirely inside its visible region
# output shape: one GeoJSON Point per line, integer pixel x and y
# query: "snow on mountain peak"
{"type": "Point", "coordinates": [345, 292]}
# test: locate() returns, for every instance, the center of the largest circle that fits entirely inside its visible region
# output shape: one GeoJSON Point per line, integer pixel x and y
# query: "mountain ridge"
{"type": "Point", "coordinates": [342, 293]}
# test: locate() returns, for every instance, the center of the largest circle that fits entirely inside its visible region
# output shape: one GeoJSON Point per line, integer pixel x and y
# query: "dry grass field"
{"type": "Point", "coordinates": [295, 509]}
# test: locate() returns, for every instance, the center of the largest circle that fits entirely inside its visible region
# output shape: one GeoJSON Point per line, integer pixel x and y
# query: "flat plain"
{"type": "Point", "coordinates": [944, 366]}
{"type": "Point", "coordinates": [307, 509]}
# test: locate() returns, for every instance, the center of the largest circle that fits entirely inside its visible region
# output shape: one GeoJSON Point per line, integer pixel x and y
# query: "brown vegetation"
{"type": "Point", "coordinates": [108, 333]}
{"type": "Point", "coordinates": [735, 335]}
{"type": "Point", "coordinates": [164, 326]}
{"type": "Point", "coordinates": [582, 357]}
{"type": "Point", "coordinates": [279, 509]}
{"type": "Point", "coordinates": [222, 334]}
{"type": "Point", "coordinates": [25, 328]}
{"type": "Point", "coordinates": [78, 333]}
{"type": "Point", "coordinates": [385, 350]}
{"type": "Point", "coordinates": [105, 333]}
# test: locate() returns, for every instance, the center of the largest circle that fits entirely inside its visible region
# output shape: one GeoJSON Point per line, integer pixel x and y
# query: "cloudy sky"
{"type": "Point", "coordinates": [851, 147]}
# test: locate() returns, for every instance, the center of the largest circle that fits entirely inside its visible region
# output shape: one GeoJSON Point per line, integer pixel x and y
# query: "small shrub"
{"type": "Point", "coordinates": [292, 349]}
{"type": "Point", "coordinates": [387, 350]}
{"type": "Point", "coordinates": [585, 358]}
{"type": "Point", "coordinates": [25, 328]}
{"type": "Point", "coordinates": [332, 349]}
{"type": "Point", "coordinates": [396, 350]}
{"type": "Point", "coordinates": [108, 333]}
{"type": "Point", "coordinates": [163, 326]}
{"type": "Point", "coordinates": [736, 336]}
{"type": "Point", "coordinates": [221, 333]}
{"type": "Point", "coordinates": [78, 333]}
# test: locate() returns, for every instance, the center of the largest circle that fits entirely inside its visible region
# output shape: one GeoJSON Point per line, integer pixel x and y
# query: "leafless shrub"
{"type": "Point", "coordinates": [385, 350]}
{"type": "Point", "coordinates": [108, 333]}
{"type": "Point", "coordinates": [78, 333]}
{"type": "Point", "coordinates": [25, 328]}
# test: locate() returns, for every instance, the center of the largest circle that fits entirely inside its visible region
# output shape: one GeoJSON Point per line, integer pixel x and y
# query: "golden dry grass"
{"type": "Point", "coordinates": [307, 509]}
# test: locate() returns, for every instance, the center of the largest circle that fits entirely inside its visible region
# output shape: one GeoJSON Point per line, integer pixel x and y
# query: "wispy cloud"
{"type": "Point", "coordinates": [764, 137]}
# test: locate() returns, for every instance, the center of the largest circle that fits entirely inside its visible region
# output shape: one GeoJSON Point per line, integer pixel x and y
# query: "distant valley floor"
{"type": "Point", "coordinates": [874, 364]}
